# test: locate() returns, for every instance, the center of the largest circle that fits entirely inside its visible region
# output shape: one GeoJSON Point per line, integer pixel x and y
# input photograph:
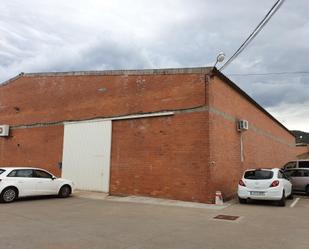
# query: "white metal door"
{"type": "Point", "coordinates": [86, 154]}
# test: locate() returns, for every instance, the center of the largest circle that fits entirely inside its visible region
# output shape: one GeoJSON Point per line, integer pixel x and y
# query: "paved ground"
{"type": "Point", "coordinates": [76, 223]}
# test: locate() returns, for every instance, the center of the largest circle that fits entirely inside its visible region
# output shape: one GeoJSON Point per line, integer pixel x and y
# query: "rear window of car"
{"type": "Point", "coordinates": [303, 164]}
{"type": "Point", "coordinates": [258, 174]}
{"type": "Point", "coordinates": [1, 171]}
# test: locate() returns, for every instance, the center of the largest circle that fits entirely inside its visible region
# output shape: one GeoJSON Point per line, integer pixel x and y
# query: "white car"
{"type": "Point", "coordinates": [22, 182]}
{"type": "Point", "coordinates": [264, 184]}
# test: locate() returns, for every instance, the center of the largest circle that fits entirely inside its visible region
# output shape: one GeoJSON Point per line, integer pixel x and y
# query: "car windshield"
{"type": "Point", "coordinates": [1, 171]}
{"type": "Point", "coordinates": [258, 174]}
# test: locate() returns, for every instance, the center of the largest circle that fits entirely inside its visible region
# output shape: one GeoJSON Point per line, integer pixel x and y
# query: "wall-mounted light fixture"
{"type": "Point", "coordinates": [220, 58]}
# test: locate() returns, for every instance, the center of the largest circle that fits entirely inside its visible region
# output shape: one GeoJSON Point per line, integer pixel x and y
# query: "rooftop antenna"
{"type": "Point", "coordinates": [220, 58]}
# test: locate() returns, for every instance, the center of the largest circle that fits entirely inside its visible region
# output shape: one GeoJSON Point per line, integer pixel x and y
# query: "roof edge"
{"type": "Point", "coordinates": [216, 72]}
{"type": "Point", "coordinates": [12, 79]}
{"type": "Point", "coordinates": [186, 70]}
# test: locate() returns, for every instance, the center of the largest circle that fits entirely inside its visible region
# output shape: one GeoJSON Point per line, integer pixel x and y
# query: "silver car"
{"type": "Point", "coordinates": [299, 178]}
{"type": "Point", "coordinates": [301, 163]}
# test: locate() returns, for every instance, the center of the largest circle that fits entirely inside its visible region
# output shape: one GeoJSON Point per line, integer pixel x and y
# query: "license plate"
{"type": "Point", "coordinates": [257, 193]}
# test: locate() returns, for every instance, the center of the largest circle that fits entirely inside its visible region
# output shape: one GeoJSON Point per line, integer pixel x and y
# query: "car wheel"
{"type": "Point", "coordinates": [282, 201]}
{"type": "Point", "coordinates": [307, 190]}
{"type": "Point", "coordinates": [9, 195]}
{"type": "Point", "coordinates": [290, 197]}
{"type": "Point", "coordinates": [242, 201]}
{"type": "Point", "coordinates": [64, 191]}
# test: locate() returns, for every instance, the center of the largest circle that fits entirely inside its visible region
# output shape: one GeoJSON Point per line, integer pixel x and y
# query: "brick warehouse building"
{"type": "Point", "coordinates": [169, 133]}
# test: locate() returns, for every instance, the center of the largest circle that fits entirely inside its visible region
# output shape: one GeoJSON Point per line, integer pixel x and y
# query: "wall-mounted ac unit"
{"type": "Point", "coordinates": [4, 130]}
{"type": "Point", "coordinates": [242, 125]}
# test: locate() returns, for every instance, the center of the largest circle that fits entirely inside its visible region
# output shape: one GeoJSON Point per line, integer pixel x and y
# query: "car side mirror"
{"type": "Point", "coordinates": [54, 178]}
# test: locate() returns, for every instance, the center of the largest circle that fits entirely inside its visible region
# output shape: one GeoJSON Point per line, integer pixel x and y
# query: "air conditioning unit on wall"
{"type": "Point", "coordinates": [4, 130]}
{"type": "Point", "coordinates": [242, 125]}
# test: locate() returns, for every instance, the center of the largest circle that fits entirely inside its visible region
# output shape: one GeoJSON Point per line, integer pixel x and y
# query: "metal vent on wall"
{"type": "Point", "coordinates": [242, 125]}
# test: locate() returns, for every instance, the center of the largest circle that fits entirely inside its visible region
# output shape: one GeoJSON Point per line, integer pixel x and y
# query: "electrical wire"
{"type": "Point", "coordinates": [255, 32]}
{"type": "Point", "coordinates": [270, 73]}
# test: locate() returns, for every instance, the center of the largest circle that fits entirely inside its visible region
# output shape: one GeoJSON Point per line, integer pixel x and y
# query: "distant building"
{"type": "Point", "coordinates": [172, 133]}
{"type": "Point", "coordinates": [302, 151]}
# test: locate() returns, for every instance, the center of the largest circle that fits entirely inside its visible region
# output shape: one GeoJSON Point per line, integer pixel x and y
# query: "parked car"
{"type": "Point", "coordinates": [264, 184]}
{"type": "Point", "coordinates": [26, 181]}
{"type": "Point", "coordinates": [299, 178]}
{"type": "Point", "coordinates": [302, 163]}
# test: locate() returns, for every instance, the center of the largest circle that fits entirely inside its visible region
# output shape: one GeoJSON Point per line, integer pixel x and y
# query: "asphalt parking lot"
{"type": "Point", "coordinates": [75, 223]}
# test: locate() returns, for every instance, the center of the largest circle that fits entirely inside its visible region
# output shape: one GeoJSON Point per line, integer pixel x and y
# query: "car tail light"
{"type": "Point", "coordinates": [241, 183]}
{"type": "Point", "coordinates": [274, 183]}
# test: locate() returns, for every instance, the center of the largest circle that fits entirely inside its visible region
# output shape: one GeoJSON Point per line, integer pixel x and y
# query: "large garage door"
{"type": "Point", "coordinates": [86, 154]}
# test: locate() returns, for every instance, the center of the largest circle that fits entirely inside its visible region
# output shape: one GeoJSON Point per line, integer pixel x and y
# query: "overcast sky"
{"type": "Point", "coordinates": [54, 35]}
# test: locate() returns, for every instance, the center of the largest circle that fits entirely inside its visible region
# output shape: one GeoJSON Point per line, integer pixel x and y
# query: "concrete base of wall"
{"type": "Point", "coordinates": [90, 195]}
{"type": "Point", "coordinates": [147, 200]}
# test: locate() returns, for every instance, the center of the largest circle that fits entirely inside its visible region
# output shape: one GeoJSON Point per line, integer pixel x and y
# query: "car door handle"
{"type": "Point", "coordinates": [20, 181]}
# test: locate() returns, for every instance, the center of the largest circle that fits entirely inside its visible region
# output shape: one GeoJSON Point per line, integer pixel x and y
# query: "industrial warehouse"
{"type": "Point", "coordinates": [180, 134]}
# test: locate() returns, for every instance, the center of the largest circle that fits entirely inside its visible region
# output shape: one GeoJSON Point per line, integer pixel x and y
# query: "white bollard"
{"type": "Point", "coordinates": [219, 198]}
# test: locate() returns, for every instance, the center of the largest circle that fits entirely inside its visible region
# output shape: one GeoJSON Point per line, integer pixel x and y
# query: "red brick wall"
{"type": "Point", "coordinates": [261, 149]}
{"type": "Point", "coordinates": [58, 98]}
{"type": "Point", "coordinates": [161, 157]}
{"type": "Point", "coordinates": [226, 99]}
{"type": "Point", "coordinates": [187, 156]}
{"type": "Point", "coordinates": [36, 147]}
{"type": "Point", "coordinates": [170, 144]}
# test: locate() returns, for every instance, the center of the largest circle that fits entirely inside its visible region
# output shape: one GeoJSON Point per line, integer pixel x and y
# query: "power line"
{"type": "Point", "coordinates": [260, 26]}
{"type": "Point", "coordinates": [271, 73]}
{"type": "Point", "coordinates": [255, 32]}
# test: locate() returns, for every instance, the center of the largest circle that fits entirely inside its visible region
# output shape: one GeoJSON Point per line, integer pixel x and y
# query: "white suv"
{"type": "Point", "coordinates": [22, 182]}
{"type": "Point", "coordinates": [264, 184]}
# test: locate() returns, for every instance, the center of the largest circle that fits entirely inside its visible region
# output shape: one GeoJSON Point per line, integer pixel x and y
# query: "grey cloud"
{"type": "Point", "coordinates": [275, 92]}
{"type": "Point", "coordinates": [109, 54]}
{"type": "Point", "coordinates": [77, 35]}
